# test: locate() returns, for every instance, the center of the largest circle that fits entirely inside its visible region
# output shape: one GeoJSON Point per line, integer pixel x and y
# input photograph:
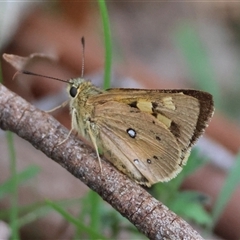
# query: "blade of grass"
{"type": "Point", "coordinates": [75, 221]}
{"type": "Point", "coordinates": [95, 214]}
{"type": "Point", "coordinates": [22, 177]}
{"type": "Point", "coordinates": [231, 182]}
{"type": "Point", "coordinates": [14, 187]}
{"type": "Point", "coordinates": [83, 214]}
{"type": "Point", "coordinates": [34, 211]}
{"type": "Point", "coordinates": [107, 43]}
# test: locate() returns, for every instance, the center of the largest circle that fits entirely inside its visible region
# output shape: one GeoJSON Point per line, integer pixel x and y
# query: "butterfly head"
{"type": "Point", "coordinates": [74, 86]}
{"type": "Point", "coordinates": [81, 87]}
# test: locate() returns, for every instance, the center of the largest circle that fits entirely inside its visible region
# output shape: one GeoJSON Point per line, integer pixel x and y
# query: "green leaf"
{"type": "Point", "coordinates": [190, 205]}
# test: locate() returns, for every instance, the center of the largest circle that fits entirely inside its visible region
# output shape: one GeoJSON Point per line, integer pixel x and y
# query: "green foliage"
{"type": "Point", "coordinates": [108, 43]}
{"type": "Point", "coordinates": [102, 218]}
{"type": "Point", "coordinates": [13, 186]}
{"type": "Point", "coordinates": [197, 60]}
{"type": "Point", "coordinates": [82, 228]}
{"type": "Point", "coordinates": [10, 187]}
{"type": "Point", "coordinates": [202, 73]}
{"type": "Point", "coordinates": [230, 185]}
{"type": "Point", "coordinates": [22, 177]}
{"type": "Point", "coordinates": [95, 217]}
{"type": "Point", "coordinates": [184, 202]}
{"type": "Point", "coordinates": [190, 206]}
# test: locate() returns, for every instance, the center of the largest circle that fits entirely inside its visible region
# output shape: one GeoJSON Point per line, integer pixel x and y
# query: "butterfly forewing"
{"type": "Point", "coordinates": [184, 112]}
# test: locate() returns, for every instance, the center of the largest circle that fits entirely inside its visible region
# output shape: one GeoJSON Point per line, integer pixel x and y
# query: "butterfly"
{"type": "Point", "coordinates": [146, 134]}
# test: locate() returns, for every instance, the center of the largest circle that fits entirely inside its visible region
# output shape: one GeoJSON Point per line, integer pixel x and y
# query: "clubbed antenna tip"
{"type": "Point", "coordinates": [83, 41]}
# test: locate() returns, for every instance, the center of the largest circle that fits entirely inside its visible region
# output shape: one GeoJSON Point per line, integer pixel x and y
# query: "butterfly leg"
{"type": "Point", "coordinates": [72, 125]}
{"type": "Point", "coordinates": [93, 139]}
{"type": "Point", "coordinates": [66, 137]}
{"type": "Point", "coordinates": [60, 106]}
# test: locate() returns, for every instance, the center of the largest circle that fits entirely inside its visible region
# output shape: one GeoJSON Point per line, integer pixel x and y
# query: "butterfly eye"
{"type": "Point", "coordinates": [73, 92]}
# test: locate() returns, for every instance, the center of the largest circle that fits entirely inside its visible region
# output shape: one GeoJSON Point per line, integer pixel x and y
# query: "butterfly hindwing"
{"type": "Point", "coordinates": [152, 151]}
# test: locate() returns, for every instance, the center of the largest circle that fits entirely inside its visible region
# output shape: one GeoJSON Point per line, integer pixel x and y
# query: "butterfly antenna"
{"type": "Point", "coordinates": [83, 55]}
{"type": "Point", "coordinates": [39, 75]}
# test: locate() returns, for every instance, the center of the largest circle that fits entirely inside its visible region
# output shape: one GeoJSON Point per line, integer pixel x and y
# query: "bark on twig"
{"type": "Point", "coordinates": [150, 216]}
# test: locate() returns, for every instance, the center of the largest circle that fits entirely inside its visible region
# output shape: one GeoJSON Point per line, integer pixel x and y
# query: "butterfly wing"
{"type": "Point", "coordinates": [136, 143]}
{"type": "Point", "coordinates": [185, 113]}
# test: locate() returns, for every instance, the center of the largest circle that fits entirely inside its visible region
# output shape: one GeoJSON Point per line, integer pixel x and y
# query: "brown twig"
{"type": "Point", "coordinates": [150, 216]}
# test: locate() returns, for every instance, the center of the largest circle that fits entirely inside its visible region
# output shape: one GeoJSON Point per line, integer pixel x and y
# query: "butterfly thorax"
{"type": "Point", "coordinates": [80, 91]}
